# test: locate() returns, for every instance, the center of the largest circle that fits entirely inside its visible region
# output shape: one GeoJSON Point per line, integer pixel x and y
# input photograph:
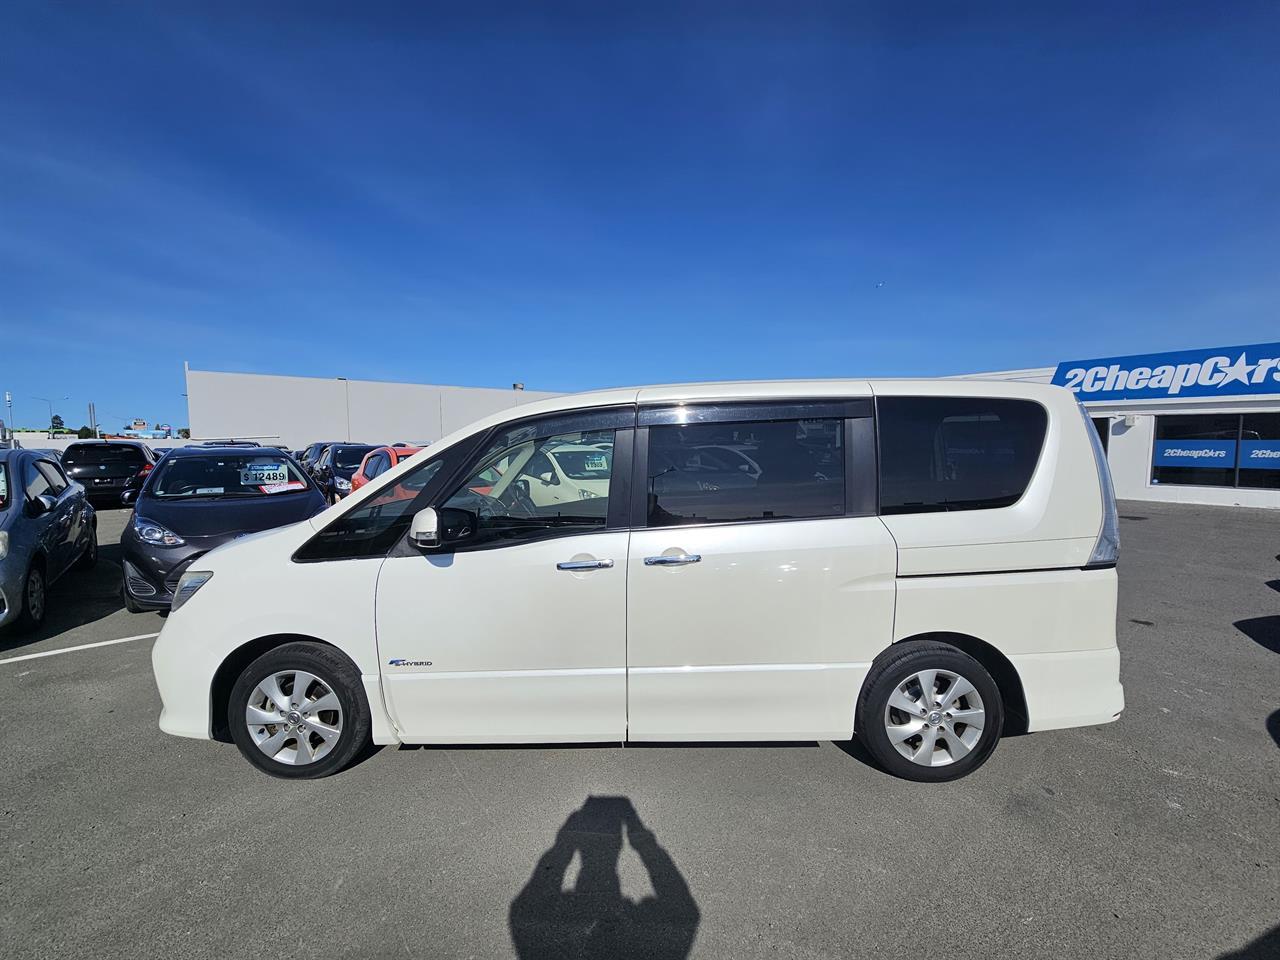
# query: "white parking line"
{"type": "Point", "coordinates": [83, 646]}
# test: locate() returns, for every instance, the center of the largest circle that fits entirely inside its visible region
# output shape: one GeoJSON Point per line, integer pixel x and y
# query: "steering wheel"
{"type": "Point", "coordinates": [516, 499]}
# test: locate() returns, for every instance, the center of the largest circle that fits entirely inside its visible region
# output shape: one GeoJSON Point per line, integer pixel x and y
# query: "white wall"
{"type": "Point", "coordinates": [295, 411]}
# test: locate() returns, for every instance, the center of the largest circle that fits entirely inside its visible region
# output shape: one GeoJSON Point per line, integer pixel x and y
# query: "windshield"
{"type": "Point", "coordinates": [226, 475]}
{"type": "Point", "coordinates": [98, 453]}
{"type": "Point", "coordinates": [348, 457]}
{"type": "Point", "coordinates": [584, 464]}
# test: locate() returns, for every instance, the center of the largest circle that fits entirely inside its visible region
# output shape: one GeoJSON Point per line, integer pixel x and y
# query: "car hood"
{"type": "Point", "coordinates": [219, 518]}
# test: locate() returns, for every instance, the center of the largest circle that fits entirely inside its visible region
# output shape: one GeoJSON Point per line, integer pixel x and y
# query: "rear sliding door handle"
{"type": "Point", "coordinates": [584, 565]}
{"type": "Point", "coordinates": [677, 560]}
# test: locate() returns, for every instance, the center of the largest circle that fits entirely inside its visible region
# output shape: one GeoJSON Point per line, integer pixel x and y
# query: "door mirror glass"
{"type": "Point", "coordinates": [128, 496]}
{"type": "Point", "coordinates": [424, 531]}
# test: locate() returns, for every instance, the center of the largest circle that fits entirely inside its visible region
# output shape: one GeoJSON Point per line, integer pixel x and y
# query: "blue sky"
{"type": "Point", "coordinates": [590, 195]}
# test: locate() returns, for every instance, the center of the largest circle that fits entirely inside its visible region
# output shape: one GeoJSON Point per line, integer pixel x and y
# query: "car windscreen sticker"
{"type": "Point", "coordinates": [256, 474]}
{"type": "Point", "coordinates": [202, 490]}
{"type": "Point", "coordinates": [282, 487]}
{"type": "Point", "coordinates": [596, 463]}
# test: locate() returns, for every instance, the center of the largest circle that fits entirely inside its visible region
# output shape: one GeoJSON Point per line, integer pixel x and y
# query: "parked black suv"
{"type": "Point", "coordinates": [106, 468]}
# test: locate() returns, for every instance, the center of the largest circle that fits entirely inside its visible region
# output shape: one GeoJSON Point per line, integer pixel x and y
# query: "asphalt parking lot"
{"type": "Point", "coordinates": [1157, 836]}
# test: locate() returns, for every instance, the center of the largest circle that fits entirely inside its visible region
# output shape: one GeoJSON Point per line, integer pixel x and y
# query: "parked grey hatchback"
{"type": "Point", "coordinates": [47, 527]}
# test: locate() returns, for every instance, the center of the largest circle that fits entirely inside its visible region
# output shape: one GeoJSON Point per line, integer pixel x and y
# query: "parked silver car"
{"type": "Point", "coordinates": [47, 526]}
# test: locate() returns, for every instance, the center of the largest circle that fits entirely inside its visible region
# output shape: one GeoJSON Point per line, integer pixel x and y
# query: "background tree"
{"type": "Point", "coordinates": [85, 433]}
{"type": "Point", "coordinates": [56, 423]}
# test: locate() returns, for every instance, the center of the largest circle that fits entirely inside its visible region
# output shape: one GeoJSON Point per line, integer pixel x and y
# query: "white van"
{"type": "Point", "coordinates": [926, 564]}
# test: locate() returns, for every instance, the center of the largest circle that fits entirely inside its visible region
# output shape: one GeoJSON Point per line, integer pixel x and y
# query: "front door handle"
{"type": "Point", "coordinates": [673, 561]}
{"type": "Point", "coordinates": [584, 565]}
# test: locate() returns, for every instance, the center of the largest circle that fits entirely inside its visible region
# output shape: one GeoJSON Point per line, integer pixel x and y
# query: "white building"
{"type": "Point", "coordinates": [295, 411]}
{"type": "Point", "coordinates": [1195, 426]}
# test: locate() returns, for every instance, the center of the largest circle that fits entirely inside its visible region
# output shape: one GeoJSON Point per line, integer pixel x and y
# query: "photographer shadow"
{"type": "Point", "coordinates": [594, 919]}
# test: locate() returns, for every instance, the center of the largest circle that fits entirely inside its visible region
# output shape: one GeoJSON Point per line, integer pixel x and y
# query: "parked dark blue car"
{"type": "Point", "coordinates": [198, 498]}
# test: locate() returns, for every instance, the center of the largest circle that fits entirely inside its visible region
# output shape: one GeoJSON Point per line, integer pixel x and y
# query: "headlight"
{"type": "Point", "coordinates": [587, 495]}
{"type": "Point", "coordinates": [4, 544]}
{"type": "Point", "coordinates": [188, 584]}
{"type": "Point", "coordinates": [153, 533]}
{"type": "Point", "coordinates": [342, 483]}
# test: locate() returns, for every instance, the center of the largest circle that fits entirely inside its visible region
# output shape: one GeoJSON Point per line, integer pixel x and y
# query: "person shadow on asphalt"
{"type": "Point", "coordinates": [594, 919]}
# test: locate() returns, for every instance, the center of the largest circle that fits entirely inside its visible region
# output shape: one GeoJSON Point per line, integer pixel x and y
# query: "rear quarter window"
{"type": "Point", "coordinates": [956, 453]}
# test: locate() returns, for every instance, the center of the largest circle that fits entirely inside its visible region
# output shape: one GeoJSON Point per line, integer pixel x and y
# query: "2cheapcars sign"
{"type": "Point", "coordinates": [1217, 372]}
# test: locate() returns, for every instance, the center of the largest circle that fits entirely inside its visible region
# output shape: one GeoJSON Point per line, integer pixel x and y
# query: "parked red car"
{"type": "Point", "coordinates": [377, 461]}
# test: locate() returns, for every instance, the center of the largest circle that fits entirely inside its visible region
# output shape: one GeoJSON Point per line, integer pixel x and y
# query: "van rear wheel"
{"type": "Point", "coordinates": [298, 712]}
{"type": "Point", "coordinates": [929, 712]}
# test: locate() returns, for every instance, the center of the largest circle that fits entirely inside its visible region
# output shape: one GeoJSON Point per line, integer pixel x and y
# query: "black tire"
{"type": "Point", "coordinates": [89, 559]}
{"type": "Point", "coordinates": [129, 603]}
{"type": "Point", "coordinates": [333, 669]}
{"type": "Point", "coordinates": [28, 621]}
{"type": "Point", "coordinates": [897, 667]}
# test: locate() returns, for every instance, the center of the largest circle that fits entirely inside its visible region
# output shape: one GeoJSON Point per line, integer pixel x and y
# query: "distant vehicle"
{"type": "Point", "coordinates": [336, 466]}
{"type": "Point", "coordinates": [47, 527]}
{"type": "Point", "coordinates": [312, 453]}
{"type": "Point", "coordinates": [379, 460]}
{"type": "Point", "coordinates": [106, 468]}
{"type": "Point", "coordinates": [199, 498]}
{"type": "Point", "coordinates": [224, 443]}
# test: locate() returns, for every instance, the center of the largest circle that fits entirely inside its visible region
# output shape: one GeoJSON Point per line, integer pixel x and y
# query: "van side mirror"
{"type": "Point", "coordinates": [424, 530]}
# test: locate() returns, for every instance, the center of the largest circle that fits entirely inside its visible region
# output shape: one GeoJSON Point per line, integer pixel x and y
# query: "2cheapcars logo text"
{"type": "Point", "coordinates": [1194, 453]}
{"type": "Point", "coordinates": [1264, 454]}
{"type": "Point", "coordinates": [1172, 378]}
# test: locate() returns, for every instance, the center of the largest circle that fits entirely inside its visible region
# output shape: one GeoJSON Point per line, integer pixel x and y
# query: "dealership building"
{"type": "Point", "coordinates": [1195, 426]}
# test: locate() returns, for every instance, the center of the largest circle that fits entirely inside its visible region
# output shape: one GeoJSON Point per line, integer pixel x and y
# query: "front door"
{"type": "Point", "coordinates": [756, 597]}
{"type": "Point", "coordinates": [514, 629]}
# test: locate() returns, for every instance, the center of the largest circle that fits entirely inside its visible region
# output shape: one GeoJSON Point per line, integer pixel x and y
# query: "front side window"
{"type": "Point", "coordinates": [4, 485]}
{"type": "Point", "coordinates": [744, 471]}
{"type": "Point", "coordinates": [528, 487]}
{"type": "Point", "coordinates": [375, 525]}
{"type": "Point", "coordinates": [225, 475]}
{"type": "Point", "coordinates": [375, 465]}
{"type": "Point", "coordinates": [35, 482]}
{"type": "Point", "coordinates": [52, 473]}
{"type": "Point", "coordinates": [956, 453]}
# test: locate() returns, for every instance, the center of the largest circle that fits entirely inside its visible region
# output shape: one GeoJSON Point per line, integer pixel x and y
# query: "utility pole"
{"type": "Point", "coordinates": [93, 420]}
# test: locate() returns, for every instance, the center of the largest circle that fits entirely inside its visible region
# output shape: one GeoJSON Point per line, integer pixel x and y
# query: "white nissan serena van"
{"type": "Point", "coordinates": [925, 564]}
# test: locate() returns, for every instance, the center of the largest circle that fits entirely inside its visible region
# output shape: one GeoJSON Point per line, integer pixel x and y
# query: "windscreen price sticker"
{"type": "Point", "coordinates": [263, 474]}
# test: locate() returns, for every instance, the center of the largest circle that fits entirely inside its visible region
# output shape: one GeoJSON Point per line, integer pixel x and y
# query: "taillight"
{"type": "Point", "coordinates": [1106, 551]}
{"type": "Point", "coordinates": [146, 468]}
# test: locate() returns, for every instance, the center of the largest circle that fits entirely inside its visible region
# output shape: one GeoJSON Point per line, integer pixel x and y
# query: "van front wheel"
{"type": "Point", "coordinates": [298, 712]}
{"type": "Point", "coordinates": [929, 712]}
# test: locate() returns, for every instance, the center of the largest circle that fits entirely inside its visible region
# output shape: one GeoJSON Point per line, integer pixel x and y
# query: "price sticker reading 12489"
{"type": "Point", "coordinates": [258, 474]}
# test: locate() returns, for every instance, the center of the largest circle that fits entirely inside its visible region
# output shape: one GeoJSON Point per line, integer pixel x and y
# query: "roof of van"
{"type": "Point", "coordinates": [731, 390]}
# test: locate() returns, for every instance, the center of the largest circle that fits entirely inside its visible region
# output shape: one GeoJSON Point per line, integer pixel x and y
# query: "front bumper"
{"type": "Point", "coordinates": [151, 574]}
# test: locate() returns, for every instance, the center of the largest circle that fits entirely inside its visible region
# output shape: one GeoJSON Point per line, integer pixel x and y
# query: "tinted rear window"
{"type": "Point", "coordinates": [956, 453]}
{"type": "Point", "coordinates": [95, 453]}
